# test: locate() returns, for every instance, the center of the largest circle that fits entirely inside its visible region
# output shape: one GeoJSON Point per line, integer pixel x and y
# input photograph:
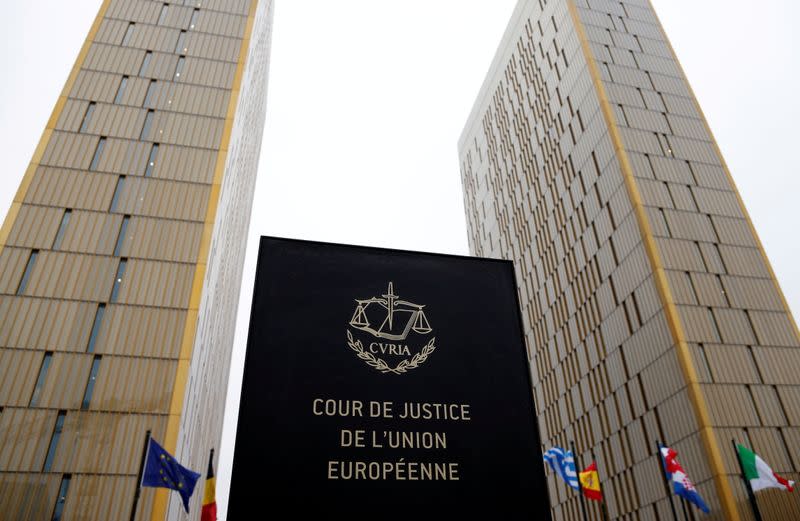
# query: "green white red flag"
{"type": "Point", "coordinates": [759, 473]}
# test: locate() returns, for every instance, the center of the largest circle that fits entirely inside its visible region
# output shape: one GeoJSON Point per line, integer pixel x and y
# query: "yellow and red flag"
{"type": "Point", "coordinates": [590, 483]}
{"type": "Point", "coordinates": [209, 512]}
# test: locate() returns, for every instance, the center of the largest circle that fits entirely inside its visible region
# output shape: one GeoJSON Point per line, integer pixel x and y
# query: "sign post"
{"type": "Point", "coordinates": [382, 384]}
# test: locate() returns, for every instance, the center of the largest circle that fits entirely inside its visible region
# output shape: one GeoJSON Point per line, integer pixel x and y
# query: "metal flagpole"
{"type": "Point", "coordinates": [603, 506]}
{"type": "Point", "coordinates": [685, 509]}
{"type": "Point", "coordinates": [139, 476]}
{"type": "Point", "coordinates": [578, 468]}
{"type": "Point", "coordinates": [750, 494]}
{"type": "Point", "coordinates": [666, 483]}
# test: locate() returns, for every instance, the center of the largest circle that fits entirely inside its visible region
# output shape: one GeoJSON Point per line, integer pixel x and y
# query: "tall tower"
{"type": "Point", "coordinates": [122, 254]}
{"type": "Point", "coordinates": [650, 309]}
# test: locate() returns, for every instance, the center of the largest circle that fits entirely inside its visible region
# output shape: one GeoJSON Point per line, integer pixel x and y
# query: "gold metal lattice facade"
{"type": "Point", "coordinates": [121, 258]}
{"type": "Point", "coordinates": [650, 309]}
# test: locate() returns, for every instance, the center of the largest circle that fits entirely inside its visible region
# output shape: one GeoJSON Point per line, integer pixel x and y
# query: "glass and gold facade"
{"type": "Point", "coordinates": [121, 258]}
{"type": "Point", "coordinates": [650, 309]}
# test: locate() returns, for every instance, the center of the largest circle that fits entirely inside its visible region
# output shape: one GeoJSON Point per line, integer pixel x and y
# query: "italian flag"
{"type": "Point", "coordinates": [759, 473]}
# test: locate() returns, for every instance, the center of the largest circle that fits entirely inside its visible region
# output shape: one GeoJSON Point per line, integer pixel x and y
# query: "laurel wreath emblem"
{"type": "Point", "coordinates": [380, 365]}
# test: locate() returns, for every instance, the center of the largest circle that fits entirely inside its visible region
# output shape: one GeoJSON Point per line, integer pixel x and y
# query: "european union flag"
{"type": "Point", "coordinates": [162, 470]}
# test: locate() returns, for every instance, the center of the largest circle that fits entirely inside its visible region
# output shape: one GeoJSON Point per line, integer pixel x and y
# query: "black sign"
{"type": "Point", "coordinates": [383, 384]}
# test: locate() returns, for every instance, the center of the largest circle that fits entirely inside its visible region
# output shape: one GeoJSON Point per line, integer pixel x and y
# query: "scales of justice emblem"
{"type": "Point", "coordinates": [394, 327]}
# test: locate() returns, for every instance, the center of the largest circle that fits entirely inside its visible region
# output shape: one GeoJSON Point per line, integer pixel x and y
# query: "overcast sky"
{"type": "Point", "coordinates": [367, 100]}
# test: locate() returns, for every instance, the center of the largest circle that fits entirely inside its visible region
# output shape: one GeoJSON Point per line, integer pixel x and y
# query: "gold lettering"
{"type": "Point", "coordinates": [453, 471]}
{"type": "Point", "coordinates": [380, 410]}
{"type": "Point", "coordinates": [344, 408]}
{"type": "Point", "coordinates": [399, 470]}
{"type": "Point", "coordinates": [350, 438]}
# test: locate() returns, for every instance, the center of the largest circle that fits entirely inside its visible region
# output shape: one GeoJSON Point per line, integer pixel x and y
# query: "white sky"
{"type": "Point", "coordinates": [367, 100]}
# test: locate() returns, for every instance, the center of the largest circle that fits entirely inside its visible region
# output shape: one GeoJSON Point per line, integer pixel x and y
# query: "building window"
{"type": "Point", "coordinates": [193, 21]}
{"type": "Point", "coordinates": [121, 237]}
{"type": "Point", "coordinates": [117, 193]}
{"type": "Point", "coordinates": [98, 321]}
{"type": "Point", "coordinates": [121, 90]}
{"type": "Point", "coordinates": [145, 62]}
{"type": "Point", "coordinates": [26, 275]}
{"type": "Point", "coordinates": [37, 391]}
{"type": "Point", "coordinates": [163, 16]}
{"type": "Point", "coordinates": [97, 153]}
{"type": "Point", "coordinates": [148, 122]}
{"type": "Point", "coordinates": [151, 161]}
{"type": "Point", "coordinates": [123, 263]}
{"type": "Point", "coordinates": [128, 34]}
{"type": "Point", "coordinates": [87, 117]}
{"type": "Point", "coordinates": [179, 66]}
{"type": "Point", "coordinates": [180, 47]}
{"type": "Point", "coordinates": [51, 450]}
{"type": "Point", "coordinates": [148, 98]}
{"type": "Point", "coordinates": [62, 497]}
{"type": "Point", "coordinates": [62, 228]}
{"type": "Point", "coordinates": [87, 395]}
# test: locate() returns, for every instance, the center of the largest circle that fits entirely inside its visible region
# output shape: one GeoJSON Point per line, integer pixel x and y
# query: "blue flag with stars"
{"type": "Point", "coordinates": [162, 470]}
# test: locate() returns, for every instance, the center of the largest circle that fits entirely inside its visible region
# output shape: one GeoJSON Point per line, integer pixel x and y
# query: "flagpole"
{"type": "Point", "coordinates": [750, 494]}
{"type": "Point", "coordinates": [603, 506]}
{"type": "Point", "coordinates": [139, 476]}
{"type": "Point", "coordinates": [666, 483]}
{"type": "Point", "coordinates": [685, 510]}
{"type": "Point", "coordinates": [578, 468]}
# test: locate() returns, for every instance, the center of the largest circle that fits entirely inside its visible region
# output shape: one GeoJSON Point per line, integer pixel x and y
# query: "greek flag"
{"type": "Point", "coordinates": [563, 463]}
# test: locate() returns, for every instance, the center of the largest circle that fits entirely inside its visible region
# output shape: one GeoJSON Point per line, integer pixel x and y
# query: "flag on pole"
{"type": "Point", "coordinates": [563, 463]}
{"type": "Point", "coordinates": [209, 512]}
{"type": "Point", "coordinates": [590, 483]}
{"type": "Point", "coordinates": [162, 470]}
{"type": "Point", "coordinates": [681, 484]}
{"type": "Point", "coordinates": [759, 473]}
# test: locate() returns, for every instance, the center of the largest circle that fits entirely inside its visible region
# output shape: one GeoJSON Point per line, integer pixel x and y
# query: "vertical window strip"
{"type": "Point", "coordinates": [58, 510]}
{"type": "Point", "coordinates": [117, 193]}
{"type": "Point", "coordinates": [98, 322]}
{"type": "Point", "coordinates": [98, 152]}
{"type": "Point", "coordinates": [163, 16]}
{"type": "Point", "coordinates": [37, 391]}
{"type": "Point", "coordinates": [179, 66]}
{"type": "Point", "coordinates": [193, 21]}
{"type": "Point", "coordinates": [121, 90]}
{"type": "Point", "coordinates": [128, 33]}
{"type": "Point", "coordinates": [26, 275]}
{"type": "Point", "coordinates": [87, 395]}
{"type": "Point", "coordinates": [148, 122]}
{"type": "Point", "coordinates": [123, 263]}
{"type": "Point", "coordinates": [180, 47]}
{"type": "Point", "coordinates": [121, 237]}
{"type": "Point", "coordinates": [62, 228]}
{"type": "Point", "coordinates": [145, 62]}
{"type": "Point", "coordinates": [148, 97]}
{"type": "Point", "coordinates": [51, 450]}
{"type": "Point", "coordinates": [87, 116]}
{"type": "Point", "coordinates": [151, 161]}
